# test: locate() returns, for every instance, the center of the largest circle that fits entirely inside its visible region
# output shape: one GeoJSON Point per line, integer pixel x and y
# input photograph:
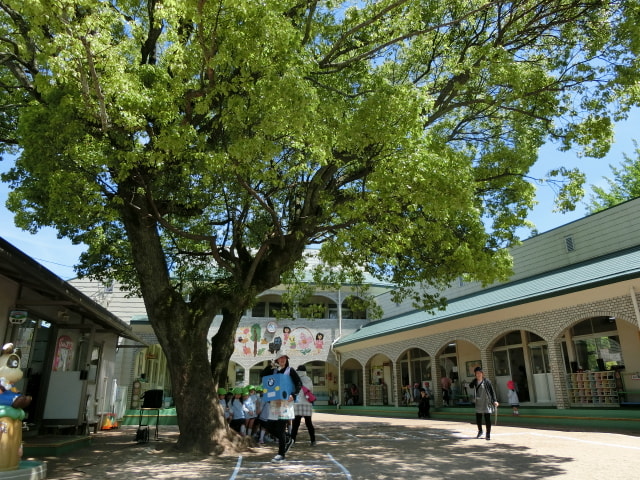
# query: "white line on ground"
{"type": "Point", "coordinates": [237, 469]}
{"type": "Point", "coordinates": [340, 466]}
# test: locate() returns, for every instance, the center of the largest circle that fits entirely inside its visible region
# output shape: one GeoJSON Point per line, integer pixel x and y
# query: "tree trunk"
{"type": "Point", "coordinates": [202, 425]}
{"type": "Point", "coordinates": [222, 346]}
{"type": "Point", "coordinates": [182, 331]}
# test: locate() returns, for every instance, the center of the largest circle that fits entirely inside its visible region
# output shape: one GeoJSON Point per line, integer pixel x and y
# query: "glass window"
{"type": "Point", "coordinates": [540, 359]}
{"type": "Point", "coordinates": [501, 362]}
{"type": "Point", "coordinates": [600, 353]}
{"type": "Point", "coordinates": [603, 324]}
{"type": "Point", "coordinates": [258, 310]}
{"type": "Point", "coordinates": [274, 308]}
{"type": "Point", "coordinates": [415, 366]}
{"type": "Point", "coordinates": [513, 338]}
{"type": "Point", "coordinates": [312, 310]}
{"type": "Point", "coordinates": [582, 328]}
{"type": "Point", "coordinates": [532, 338]}
{"type": "Point", "coordinates": [449, 349]}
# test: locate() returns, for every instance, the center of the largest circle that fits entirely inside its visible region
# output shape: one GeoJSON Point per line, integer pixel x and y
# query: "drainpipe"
{"type": "Point", "coordinates": [337, 354]}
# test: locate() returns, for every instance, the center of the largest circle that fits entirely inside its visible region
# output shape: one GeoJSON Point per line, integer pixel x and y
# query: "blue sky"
{"type": "Point", "coordinates": [59, 255]}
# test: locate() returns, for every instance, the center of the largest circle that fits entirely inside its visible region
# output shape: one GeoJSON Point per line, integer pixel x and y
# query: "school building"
{"type": "Point", "coordinates": [564, 328]}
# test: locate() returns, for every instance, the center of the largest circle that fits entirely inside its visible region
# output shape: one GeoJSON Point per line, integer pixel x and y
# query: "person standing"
{"type": "Point", "coordinates": [512, 396]}
{"type": "Point", "coordinates": [355, 394]}
{"type": "Point", "coordinates": [222, 394]}
{"type": "Point", "coordinates": [423, 404]}
{"type": "Point", "coordinates": [281, 411]}
{"type": "Point", "coordinates": [248, 399]}
{"type": "Point", "coordinates": [445, 383]}
{"type": "Point", "coordinates": [237, 412]}
{"type": "Point", "coordinates": [485, 400]}
{"type": "Point", "coordinates": [416, 393]}
{"type": "Point", "coordinates": [262, 408]}
{"type": "Point", "coordinates": [303, 408]}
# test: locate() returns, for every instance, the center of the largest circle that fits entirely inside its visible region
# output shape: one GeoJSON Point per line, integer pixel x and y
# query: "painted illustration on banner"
{"type": "Point", "coordinates": [258, 342]}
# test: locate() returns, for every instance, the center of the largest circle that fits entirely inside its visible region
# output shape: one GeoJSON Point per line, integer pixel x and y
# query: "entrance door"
{"type": "Point", "coordinates": [542, 380]}
{"type": "Point", "coordinates": [32, 338]}
{"type": "Point", "coordinates": [509, 364]}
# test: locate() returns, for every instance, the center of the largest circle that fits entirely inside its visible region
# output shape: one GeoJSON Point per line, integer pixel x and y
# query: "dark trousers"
{"type": "Point", "coordinates": [424, 411]}
{"type": "Point", "coordinates": [487, 421]}
{"type": "Point", "coordinates": [308, 423]}
{"type": "Point", "coordinates": [278, 429]}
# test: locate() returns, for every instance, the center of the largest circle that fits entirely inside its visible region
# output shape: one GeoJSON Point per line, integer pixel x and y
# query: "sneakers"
{"type": "Point", "coordinates": [289, 443]}
{"type": "Point", "coordinates": [313, 444]}
{"type": "Point", "coordinates": [488, 437]}
{"type": "Point", "coordinates": [277, 459]}
{"type": "Point", "coordinates": [479, 434]}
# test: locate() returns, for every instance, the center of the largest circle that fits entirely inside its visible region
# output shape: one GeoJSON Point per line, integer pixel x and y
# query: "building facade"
{"type": "Point", "coordinates": [564, 328]}
{"type": "Point", "coordinates": [68, 345]}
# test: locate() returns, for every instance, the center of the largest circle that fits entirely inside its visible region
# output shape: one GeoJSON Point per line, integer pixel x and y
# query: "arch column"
{"type": "Point", "coordinates": [436, 389]}
{"type": "Point", "coordinates": [397, 379]}
{"type": "Point", "coordinates": [558, 374]}
{"type": "Point", "coordinates": [366, 381]}
{"type": "Point", "coordinates": [486, 358]}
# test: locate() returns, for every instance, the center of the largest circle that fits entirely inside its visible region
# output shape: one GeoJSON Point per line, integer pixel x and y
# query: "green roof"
{"type": "Point", "coordinates": [619, 266]}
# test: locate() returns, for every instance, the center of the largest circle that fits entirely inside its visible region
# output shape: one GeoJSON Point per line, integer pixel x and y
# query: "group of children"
{"type": "Point", "coordinates": [243, 410]}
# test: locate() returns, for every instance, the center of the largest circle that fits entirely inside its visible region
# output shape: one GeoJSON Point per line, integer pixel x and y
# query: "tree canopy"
{"type": "Point", "coordinates": [625, 184]}
{"type": "Point", "coordinates": [198, 146]}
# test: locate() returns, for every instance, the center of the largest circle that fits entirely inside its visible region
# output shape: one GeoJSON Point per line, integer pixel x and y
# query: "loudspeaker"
{"type": "Point", "coordinates": [152, 399]}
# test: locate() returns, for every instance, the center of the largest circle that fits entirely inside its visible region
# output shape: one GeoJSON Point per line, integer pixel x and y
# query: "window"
{"type": "Point", "coordinates": [597, 344]}
{"type": "Point", "coordinates": [532, 337]}
{"type": "Point", "coordinates": [415, 367]}
{"type": "Point", "coordinates": [258, 310]}
{"type": "Point", "coordinates": [274, 309]}
{"type": "Point", "coordinates": [594, 325]}
{"type": "Point", "coordinates": [540, 359]}
{"type": "Point", "coordinates": [598, 354]}
{"type": "Point", "coordinates": [511, 338]}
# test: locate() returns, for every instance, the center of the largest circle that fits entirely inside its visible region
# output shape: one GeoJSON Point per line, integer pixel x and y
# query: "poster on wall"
{"type": "Point", "coordinates": [63, 359]}
{"type": "Point", "coordinates": [471, 366]}
{"type": "Point", "coordinates": [255, 341]}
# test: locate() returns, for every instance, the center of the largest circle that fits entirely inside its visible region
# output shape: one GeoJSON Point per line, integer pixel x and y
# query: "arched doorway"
{"type": "Point", "coordinates": [594, 362]}
{"type": "Point", "coordinates": [415, 369]}
{"type": "Point", "coordinates": [380, 381]}
{"type": "Point", "coordinates": [352, 375]}
{"type": "Point", "coordinates": [511, 364]}
{"type": "Point", "coordinates": [150, 373]}
{"type": "Point", "coordinates": [523, 357]}
{"type": "Point", "coordinates": [449, 375]}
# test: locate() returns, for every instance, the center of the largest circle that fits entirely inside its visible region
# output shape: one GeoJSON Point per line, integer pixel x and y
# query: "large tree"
{"type": "Point", "coordinates": [198, 146]}
{"type": "Point", "coordinates": [625, 184]}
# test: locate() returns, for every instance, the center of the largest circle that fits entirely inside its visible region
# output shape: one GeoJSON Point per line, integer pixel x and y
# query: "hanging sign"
{"type": "Point", "coordinates": [18, 317]}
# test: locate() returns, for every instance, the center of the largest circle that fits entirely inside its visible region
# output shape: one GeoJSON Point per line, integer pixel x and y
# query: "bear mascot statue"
{"type": "Point", "coordinates": [11, 408]}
